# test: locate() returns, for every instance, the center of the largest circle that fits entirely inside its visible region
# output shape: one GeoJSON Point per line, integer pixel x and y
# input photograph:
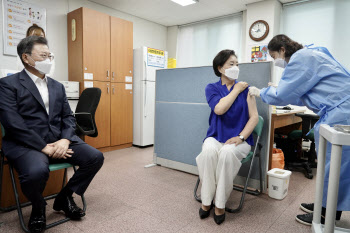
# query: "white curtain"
{"type": "Point", "coordinates": [198, 44]}
{"type": "Point", "coordinates": [323, 23]}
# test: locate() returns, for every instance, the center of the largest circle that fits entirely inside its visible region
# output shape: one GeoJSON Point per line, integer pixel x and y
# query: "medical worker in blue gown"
{"type": "Point", "coordinates": [313, 78]}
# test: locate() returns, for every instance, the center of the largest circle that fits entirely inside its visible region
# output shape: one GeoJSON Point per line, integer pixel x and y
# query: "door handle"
{"type": "Point", "coordinates": [107, 74]}
{"type": "Point", "coordinates": [113, 75]}
{"type": "Point", "coordinates": [145, 103]}
{"type": "Point", "coordinates": [107, 89]}
{"type": "Point", "coordinates": [145, 70]}
{"type": "Point", "coordinates": [113, 90]}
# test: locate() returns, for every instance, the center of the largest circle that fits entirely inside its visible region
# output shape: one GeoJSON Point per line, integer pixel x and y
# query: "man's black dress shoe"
{"type": "Point", "coordinates": [37, 221]}
{"type": "Point", "coordinates": [219, 218]}
{"type": "Point", "coordinates": [67, 204]}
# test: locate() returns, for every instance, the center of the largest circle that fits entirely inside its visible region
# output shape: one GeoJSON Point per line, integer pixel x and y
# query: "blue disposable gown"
{"type": "Point", "coordinates": [313, 78]}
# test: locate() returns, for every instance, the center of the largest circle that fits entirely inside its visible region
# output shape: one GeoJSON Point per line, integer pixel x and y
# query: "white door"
{"type": "Point", "coordinates": [147, 125]}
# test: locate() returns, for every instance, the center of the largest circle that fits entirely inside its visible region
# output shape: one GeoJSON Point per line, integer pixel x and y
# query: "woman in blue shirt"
{"type": "Point", "coordinates": [232, 120]}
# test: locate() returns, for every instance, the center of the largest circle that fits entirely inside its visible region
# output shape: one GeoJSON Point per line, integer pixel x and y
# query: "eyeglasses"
{"type": "Point", "coordinates": [46, 56]}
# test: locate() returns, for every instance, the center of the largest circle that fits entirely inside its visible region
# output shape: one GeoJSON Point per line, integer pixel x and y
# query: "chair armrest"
{"type": "Point", "coordinates": [81, 113]}
{"type": "Point", "coordinates": [87, 117]}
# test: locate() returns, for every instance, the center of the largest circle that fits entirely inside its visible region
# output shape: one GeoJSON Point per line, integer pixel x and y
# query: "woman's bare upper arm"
{"type": "Point", "coordinates": [253, 111]}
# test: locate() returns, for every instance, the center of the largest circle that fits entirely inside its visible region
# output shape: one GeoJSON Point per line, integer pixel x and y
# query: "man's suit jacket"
{"type": "Point", "coordinates": [24, 117]}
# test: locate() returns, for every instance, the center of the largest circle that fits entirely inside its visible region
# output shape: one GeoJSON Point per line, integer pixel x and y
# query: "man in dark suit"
{"type": "Point", "coordinates": [40, 129]}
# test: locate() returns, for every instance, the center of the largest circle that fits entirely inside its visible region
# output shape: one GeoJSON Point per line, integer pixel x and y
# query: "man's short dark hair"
{"type": "Point", "coordinates": [26, 45]}
{"type": "Point", "coordinates": [221, 59]}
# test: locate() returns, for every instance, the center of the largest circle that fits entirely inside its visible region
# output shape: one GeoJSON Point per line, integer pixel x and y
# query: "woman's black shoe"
{"type": "Point", "coordinates": [204, 214]}
{"type": "Point", "coordinates": [219, 218]}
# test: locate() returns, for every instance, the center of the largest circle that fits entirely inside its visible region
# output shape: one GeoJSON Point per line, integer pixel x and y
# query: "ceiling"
{"type": "Point", "coordinates": [168, 13]}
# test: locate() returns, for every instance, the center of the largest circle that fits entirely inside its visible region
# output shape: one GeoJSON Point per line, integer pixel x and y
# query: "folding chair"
{"type": "Point", "coordinates": [18, 206]}
{"type": "Point", "coordinates": [250, 158]}
{"type": "Point", "coordinates": [85, 117]}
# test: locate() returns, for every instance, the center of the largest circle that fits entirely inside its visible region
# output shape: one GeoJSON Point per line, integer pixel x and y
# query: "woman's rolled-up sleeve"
{"type": "Point", "coordinates": [213, 96]}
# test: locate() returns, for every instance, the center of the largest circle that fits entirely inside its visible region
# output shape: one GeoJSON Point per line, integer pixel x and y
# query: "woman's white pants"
{"type": "Point", "coordinates": [218, 165]}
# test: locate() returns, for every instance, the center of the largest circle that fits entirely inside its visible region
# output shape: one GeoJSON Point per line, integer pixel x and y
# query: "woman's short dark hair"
{"type": "Point", "coordinates": [280, 41]}
{"type": "Point", "coordinates": [34, 27]}
{"type": "Point", "coordinates": [26, 45]}
{"type": "Point", "coordinates": [220, 59]}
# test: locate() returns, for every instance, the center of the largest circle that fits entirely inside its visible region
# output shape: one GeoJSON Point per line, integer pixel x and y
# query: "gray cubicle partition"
{"type": "Point", "coordinates": [182, 116]}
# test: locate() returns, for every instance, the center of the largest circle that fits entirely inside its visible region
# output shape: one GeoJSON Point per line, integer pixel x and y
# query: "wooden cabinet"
{"type": "Point", "coordinates": [121, 49]}
{"type": "Point", "coordinates": [121, 114]}
{"type": "Point", "coordinates": [102, 45]}
{"type": "Point", "coordinates": [96, 44]}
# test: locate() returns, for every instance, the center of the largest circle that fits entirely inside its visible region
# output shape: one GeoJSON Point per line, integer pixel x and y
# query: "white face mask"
{"type": "Point", "coordinates": [232, 73]}
{"type": "Point", "coordinates": [279, 62]}
{"type": "Point", "coordinates": [43, 67]}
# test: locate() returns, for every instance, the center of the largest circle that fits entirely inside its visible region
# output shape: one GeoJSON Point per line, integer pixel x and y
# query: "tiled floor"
{"type": "Point", "coordinates": [126, 197]}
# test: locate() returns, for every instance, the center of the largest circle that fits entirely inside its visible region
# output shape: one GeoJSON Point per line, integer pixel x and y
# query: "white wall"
{"type": "Point", "coordinates": [146, 33]}
{"type": "Point", "coordinates": [265, 10]}
{"type": "Point", "coordinates": [171, 44]}
{"type": "Point", "coordinates": [244, 37]}
{"type": "Point", "coordinates": [56, 31]}
{"type": "Point", "coordinates": [270, 11]}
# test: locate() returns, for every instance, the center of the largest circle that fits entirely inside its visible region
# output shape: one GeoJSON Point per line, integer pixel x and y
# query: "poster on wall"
{"type": "Point", "coordinates": [18, 16]}
{"type": "Point", "coordinates": [259, 53]}
{"type": "Point", "coordinates": [155, 57]}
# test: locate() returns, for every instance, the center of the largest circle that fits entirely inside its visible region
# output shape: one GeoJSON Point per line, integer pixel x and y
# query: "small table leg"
{"type": "Point", "coordinates": [333, 188]}
{"type": "Point", "coordinates": [321, 159]}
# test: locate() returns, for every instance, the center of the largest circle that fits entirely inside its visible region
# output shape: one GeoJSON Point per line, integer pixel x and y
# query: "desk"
{"type": "Point", "coordinates": [282, 120]}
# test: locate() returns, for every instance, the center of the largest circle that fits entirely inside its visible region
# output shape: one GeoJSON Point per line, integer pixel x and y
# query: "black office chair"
{"type": "Point", "coordinates": [294, 137]}
{"type": "Point", "coordinates": [85, 122]}
{"type": "Point", "coordinates": [85, 112]}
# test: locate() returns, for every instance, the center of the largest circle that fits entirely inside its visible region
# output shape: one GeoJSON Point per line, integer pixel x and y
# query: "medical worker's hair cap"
{"type": "Point", "coordinates": [280, 41]}
{"type": "Point", "coordinates": [221, 58]}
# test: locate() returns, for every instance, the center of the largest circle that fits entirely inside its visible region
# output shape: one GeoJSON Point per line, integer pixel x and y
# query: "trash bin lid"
{"type": "Point", "coordinates": [279, 173]}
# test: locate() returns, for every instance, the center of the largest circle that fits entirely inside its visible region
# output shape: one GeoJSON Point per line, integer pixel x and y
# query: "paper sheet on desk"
{"type": "Point", "coordinates": [278, 111]}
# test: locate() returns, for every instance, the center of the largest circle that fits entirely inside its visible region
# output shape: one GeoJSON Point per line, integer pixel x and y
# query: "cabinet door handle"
{"type": "Point", "coordinates": [107, 74]}
{"type": "Point", "coordinates": [113, 75]}
{"type": "Point", "coordinates": [113, 90]}
{"type": "Point", "coordinates": [107, 89]}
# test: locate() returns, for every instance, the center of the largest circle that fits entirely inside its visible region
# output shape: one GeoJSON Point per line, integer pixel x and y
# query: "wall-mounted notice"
{"type": "Point", "coordinates": [155, 57]}
{"type": "Point", "coordinates": [18, 16]}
